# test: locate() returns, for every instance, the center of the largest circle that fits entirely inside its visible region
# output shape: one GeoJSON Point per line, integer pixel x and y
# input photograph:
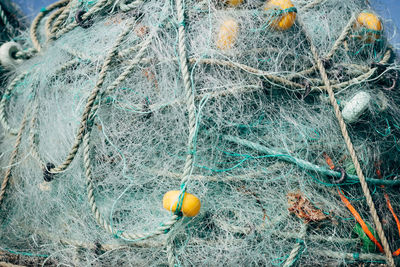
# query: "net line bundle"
{"type": "Point", "coordinates": [207, 133]}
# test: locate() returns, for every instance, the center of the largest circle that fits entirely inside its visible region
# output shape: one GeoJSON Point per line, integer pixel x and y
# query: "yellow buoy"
{"type": "Point", "coordinates": [190, 204]}
{"type": "Point", "coordinates": [370, 25]}
{"type": "Point", "coordinates": [286, 15]}
{"type": "Point", "coordinates": [227, 34]}
{"type": "Point", "coordinates": [233, 2]}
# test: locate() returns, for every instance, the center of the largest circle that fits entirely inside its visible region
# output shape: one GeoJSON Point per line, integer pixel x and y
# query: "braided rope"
{"type": "Point", "coordinates": [93, 96]}
{"type": "Point", "coordinates": [78, 54]}
{"type": "Point", "coordinates": [369, 257]}
{"type": "Point", "coordinates": [25, 54]}
{"type": "Point", "coordinates": [335, 47]}
{"type": "Point", "coordinates": [38, 18]}
{"type": "Point", "coordinates": [61, 18]}
{"type": "Point", "coordinates": [128, 7]}
{"type": "Point", "coordinates": [267, 75]}
{"type": "Point", "coordinates": [86, 147]}
{"type": "Point", "coordinates": [350, 147]}
{"type": "Point", "coordinates": [295, 253]}
{"type": "Point", "coordinates": [170, 244]}
{"type": "Point", "coordinates": [3, 101]}
{"type": "Point", "coordinates": [34, 150]}
{"type": "Point", "coordinates": [129, 50]}
{"type": "Point", "coordinates": [92, 107]}
{"type": "Point", "coordinates": [13, 156]}
{"type": "Point", "coordinates": [99, 6]}
{"type": "Point", "coordinates": [306, 165]}
{"type": "Point", "coordinates": [89, 104]}
{"type": "Point", "coordinates": [162, 229]}
{"type": "Point", "coordinates": [53, 16]}
{"type": "Point", "coordinates": [189, 101]}
{"type": "Point", "coordinates": [183, 60]}
{"type": "Point", "coordinates": [188, 90]}
{"type": "Point", "coordinates": [339, 41]}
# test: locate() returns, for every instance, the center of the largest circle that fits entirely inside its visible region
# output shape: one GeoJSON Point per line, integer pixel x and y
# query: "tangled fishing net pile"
{"type": "Point", "coordinates": [282, 120]}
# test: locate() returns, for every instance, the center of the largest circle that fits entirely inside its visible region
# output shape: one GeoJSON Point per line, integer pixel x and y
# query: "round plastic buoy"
{"type": "Point", "coordinates": [7, 55]}
{"type": "Point", "coordinates": [285, 14]}
{"type": "Point", "coordinates": [227, 34]}
{"type": "Point", "coordinates": [356, 107]}
{"type": "Point", "coordinates": [190, 204]}
{"type": "Point", "coordinates": [369, 27]}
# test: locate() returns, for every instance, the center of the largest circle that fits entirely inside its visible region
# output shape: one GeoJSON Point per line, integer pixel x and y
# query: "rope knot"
{"type": "Point", "coordinates": [80, 21]}
{"type": "Point", "coordinates": [178, 210]}
{"type": "Point", "coordinates": [146, 109]}
{"type": "Point", "coordinates": [390, 76]}
{"type": "Point", "coordinates": [327, 62]}
{"type": "Point", "coordinates": [166, 231]}
{"type": "Point", "coordinates": [380, 68]}
{"type": "Point", "coordinates": [47, 175]}
{"type": "Point", "coordinates": [118, 234]}
{"type": "Point", "coordinates": [356, 256]}
{"type": "Point", "coordinates": [343, 175]}
{"type": "Point", "coordinates": [299, 241]}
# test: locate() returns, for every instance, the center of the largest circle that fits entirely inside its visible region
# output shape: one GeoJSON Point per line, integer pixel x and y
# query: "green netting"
{"type": "Point", "coordinates": [96, 129]}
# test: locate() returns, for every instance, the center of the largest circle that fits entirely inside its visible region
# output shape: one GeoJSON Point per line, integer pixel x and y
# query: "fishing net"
{"type": "Point", "coordinates": [114, 103]}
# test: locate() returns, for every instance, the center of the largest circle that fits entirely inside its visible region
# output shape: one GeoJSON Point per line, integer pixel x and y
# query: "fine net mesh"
{"type": "Point", "coordinates": [263, 128]}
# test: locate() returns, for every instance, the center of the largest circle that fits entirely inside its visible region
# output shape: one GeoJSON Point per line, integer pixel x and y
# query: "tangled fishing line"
{"type": "Point", "coordinates": [282, 119]}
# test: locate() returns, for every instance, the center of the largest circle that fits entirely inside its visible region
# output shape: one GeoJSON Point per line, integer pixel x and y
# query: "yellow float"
{"type": "Point", "coordinates": [227, 34]}
{"type": "Point", "coordinates": [286, 14]}
{"type": "Point", "coordinates": [190, 203]}
{"type": "Point", "coordinates": [233, 2]}
{"type": "Point", "coordinates": [370, 27]}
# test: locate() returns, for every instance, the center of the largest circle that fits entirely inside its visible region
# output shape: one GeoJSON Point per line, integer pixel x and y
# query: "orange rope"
{"type": "Point", "coordinates": [357, 215]}
{"type": "Point", "coordinates": [397, 252]}
{"type": "Point", "coordinates": [353, 210]}
{"type": "Point", "coordinates": [328, 161]}
{"type": "Point", "coordinates": [360, 221]}
{"type": "Point", "coordinates": [389, 205]}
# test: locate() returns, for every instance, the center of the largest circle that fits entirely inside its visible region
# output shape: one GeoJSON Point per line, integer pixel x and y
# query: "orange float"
{"type": "Point", "coordinates": [233, 2]}
{"type": "Point", "coordinates": [190, 203]}
{"type": "Point", "coordinates": [369, 26]}
{"type": "Point", "coordinates": [227, 34]}
{"type": "Point", "coordinates": [286, 14]}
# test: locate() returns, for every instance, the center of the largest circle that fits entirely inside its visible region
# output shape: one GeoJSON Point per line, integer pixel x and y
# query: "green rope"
{"type": "Point", "coordinates": [25, 253]}
{"type": "Point", "coordinates": [305, 164]}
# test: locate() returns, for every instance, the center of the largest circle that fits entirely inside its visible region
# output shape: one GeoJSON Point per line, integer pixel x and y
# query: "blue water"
{"type": "Point", "coordinates": [31, 7]}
